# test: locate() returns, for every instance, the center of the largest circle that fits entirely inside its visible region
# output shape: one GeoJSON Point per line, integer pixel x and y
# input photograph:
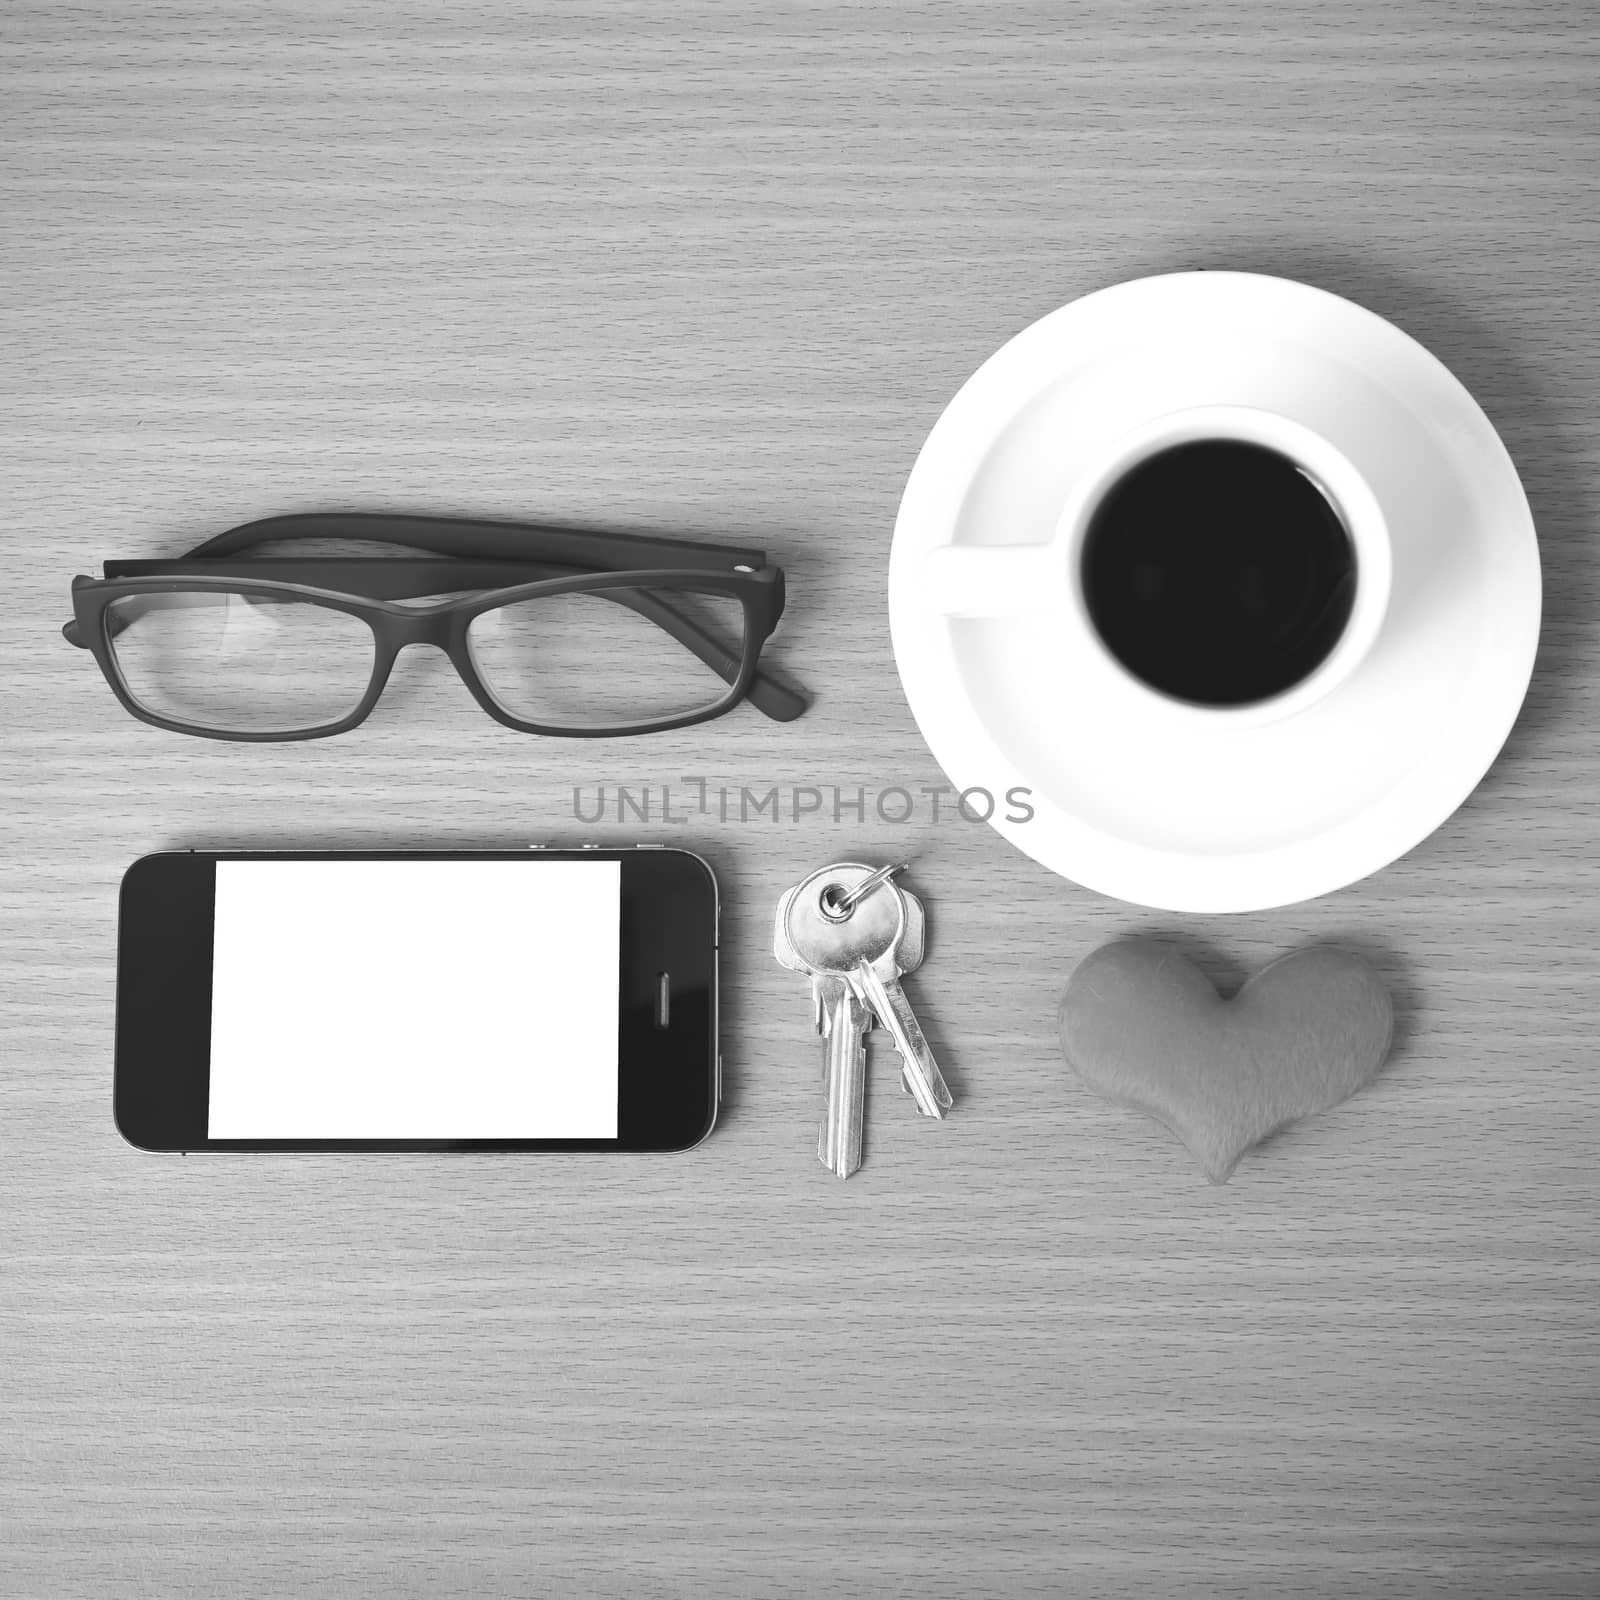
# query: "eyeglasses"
{"type": "Point", "coordinates": [554, 631]}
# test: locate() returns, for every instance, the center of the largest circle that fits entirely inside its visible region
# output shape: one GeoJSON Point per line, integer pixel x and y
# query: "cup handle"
{"type": "Point", "coordinates": [995, 580]}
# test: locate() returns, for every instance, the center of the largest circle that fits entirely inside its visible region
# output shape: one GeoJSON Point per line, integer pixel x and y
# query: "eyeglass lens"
{"type": "Point", "coordinates": [237, 663]}
{"type": "Point", "coordinates": [607, 657]}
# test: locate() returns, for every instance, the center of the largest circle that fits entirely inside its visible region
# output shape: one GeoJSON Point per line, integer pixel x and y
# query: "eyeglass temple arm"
{"type": "Point", "coordinates": [496, 541]}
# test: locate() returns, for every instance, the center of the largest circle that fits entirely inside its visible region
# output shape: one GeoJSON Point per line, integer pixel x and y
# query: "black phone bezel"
{"type": "Point", "coordinates": [668, 1089]}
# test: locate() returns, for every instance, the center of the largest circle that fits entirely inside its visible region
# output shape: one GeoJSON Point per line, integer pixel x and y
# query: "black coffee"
{"type": "Point", "coordinates": [1218, 573]}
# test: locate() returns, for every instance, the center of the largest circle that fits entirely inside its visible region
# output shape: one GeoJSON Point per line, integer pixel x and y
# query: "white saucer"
{"type": "Point", "coordinates": [1164, 811]}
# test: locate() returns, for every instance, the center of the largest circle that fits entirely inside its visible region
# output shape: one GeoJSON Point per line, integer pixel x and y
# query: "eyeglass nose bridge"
{"type": "Point", "coordinates": [419, 627]}
{"type": "Point", "coordinates": [400, 632]}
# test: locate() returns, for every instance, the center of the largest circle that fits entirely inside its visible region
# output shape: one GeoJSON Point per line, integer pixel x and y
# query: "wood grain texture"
{"type": "Point", "coordinates": [717, 268]}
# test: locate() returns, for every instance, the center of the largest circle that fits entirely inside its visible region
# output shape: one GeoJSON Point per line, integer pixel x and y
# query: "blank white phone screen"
{"type": "Point", "coordinates": [415, 1000]}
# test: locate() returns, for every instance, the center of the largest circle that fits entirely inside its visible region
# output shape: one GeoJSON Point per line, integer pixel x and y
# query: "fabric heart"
{"type": "Point", "coordinates": [1141, 1025]}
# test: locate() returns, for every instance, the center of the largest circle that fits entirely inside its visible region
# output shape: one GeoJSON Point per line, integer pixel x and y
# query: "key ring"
{"type": "Point", "coordinates": [838, 904]}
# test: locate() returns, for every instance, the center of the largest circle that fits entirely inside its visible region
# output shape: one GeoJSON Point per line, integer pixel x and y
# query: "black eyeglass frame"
{"type": "Point", "coordinates": [501, 562]}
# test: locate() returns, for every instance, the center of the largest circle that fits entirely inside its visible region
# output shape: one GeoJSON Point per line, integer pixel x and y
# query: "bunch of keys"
{"type": "Point", "coordinates": [855, 934]}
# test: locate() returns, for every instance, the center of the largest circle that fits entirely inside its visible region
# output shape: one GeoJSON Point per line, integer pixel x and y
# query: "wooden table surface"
{"type": "Point", "coordinates": [716, 269]}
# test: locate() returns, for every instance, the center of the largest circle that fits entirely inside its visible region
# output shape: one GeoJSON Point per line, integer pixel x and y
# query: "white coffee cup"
{"type": "Point", "coordinates": [1002, 580]}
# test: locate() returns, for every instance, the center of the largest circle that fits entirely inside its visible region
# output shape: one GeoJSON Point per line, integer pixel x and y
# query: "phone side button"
{"type": "Point", "coordinates": [719, 1077]}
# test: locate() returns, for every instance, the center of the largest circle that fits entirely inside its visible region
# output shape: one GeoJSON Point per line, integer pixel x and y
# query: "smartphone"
{"type": "Point", "coordinates": [515, 1001]}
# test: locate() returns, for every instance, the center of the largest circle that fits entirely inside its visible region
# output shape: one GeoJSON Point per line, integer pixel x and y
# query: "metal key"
{"type": "Point", "coordinates": [878, 984]}
{"type": "Point", "coordinates": [838, 1014]}
{"type": "Point", "coordinates": [855, 934]}
{"type": "Point", "coordinates": [845, 1022]}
